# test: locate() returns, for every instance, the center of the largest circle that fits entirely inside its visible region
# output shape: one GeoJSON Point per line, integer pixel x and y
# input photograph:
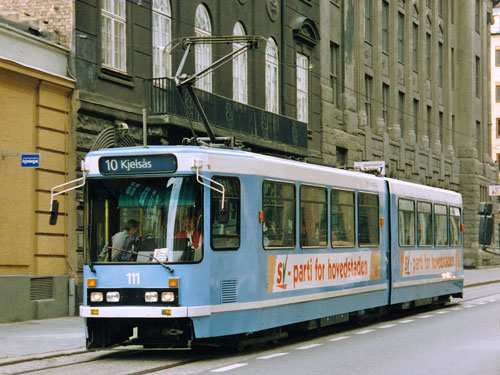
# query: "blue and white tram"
{"type": "Point", "coordinates": [279, 243]}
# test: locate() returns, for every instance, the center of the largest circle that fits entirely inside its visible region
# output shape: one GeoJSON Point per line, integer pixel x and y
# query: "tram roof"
{"type": "Point", "coordinates": [238, 162]}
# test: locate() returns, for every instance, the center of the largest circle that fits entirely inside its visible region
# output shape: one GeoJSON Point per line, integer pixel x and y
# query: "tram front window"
{"type": "Point", "coordinates": [144, 220]}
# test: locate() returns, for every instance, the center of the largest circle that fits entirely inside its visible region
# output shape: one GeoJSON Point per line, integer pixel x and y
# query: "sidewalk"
{"type": "Point", "coordinates": [52, 337]}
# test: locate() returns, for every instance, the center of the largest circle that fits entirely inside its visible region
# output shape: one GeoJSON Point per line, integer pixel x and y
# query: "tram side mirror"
{"type": "Point", "coordinates": [485, 208]}
{"type": "Point", "coordinates": [485, 230]}
{"type": "Point", "coordinates": [54, 213]}
{"type": "Point", "coordinates": [223, 214]}
{"type": "Point", "coordinates": [485, 223]}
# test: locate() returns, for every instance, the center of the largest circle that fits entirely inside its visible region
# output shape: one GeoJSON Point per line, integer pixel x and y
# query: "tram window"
{"type": "Point", "coordinates": [313, 217]}
{"type": "Point", "coordinates": [278, 229]}
{"type": "Point", "coordinates": [226, 235]}
{"type": "Point", "coordinates": [368, 219]}
{"type": "Point", "coordinates": [441, 225]}
{"type": "Point", "coordinates": [455, 226]}
{"type": "Point", "coordinates": [158, 205]}
{"type": "Point", "coordinates": [406, 222]}
{"type": "Point", "coordinates": [424, 224]}
{"type": "Point", "coordinates": [342, 218]}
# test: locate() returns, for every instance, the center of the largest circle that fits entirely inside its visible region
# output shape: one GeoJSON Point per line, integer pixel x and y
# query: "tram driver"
{"type": "Point", "coordinates": [193, 236]}
{"type": "Point", "coordinates": [125, 244]}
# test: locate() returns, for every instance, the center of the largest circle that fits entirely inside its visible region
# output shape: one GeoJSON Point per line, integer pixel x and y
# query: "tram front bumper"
{"type": "Point", "coordinates": [144, 311]}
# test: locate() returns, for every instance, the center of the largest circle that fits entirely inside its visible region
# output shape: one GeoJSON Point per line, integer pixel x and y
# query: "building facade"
{"type": "Point", "coordinates": [495, 85]}
{"type": "Point", "coordinates": [35, 110]}
{"type": "Point", "coordinates": [406, 82]}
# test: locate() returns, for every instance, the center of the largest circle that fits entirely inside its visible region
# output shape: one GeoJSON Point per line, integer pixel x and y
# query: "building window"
{"type": "Point", "coordinates": [428, 51]}
{"type": "Point", "coordinates": [497, 57]}
{"type": "Point", "coordinates": [479, 139]}
{"type": "Point", "coordinates": [341, 157]}
{"type": "Point", "coordinates": [441, 125]}
{"type": "Point", "coordinates": [440, 8]}
{"type": "Point", "coordinates": [477, 13]}
{"type": "Point", "coordinates": [497, 91]}
{"type": "Point", "coordinates": [478, 76]}
{"type": "Point", "coordinates": [452, 11]}
{"type": "Point", "coordinates": [452, 63]}
{"type": "Point", "coordinates": [385, 26]}
{"type": "Point", "coordinates": [429, 120]}
{"type": "Point", "coordinates": [114, 40]}
{"type": "Point", "coordinates": [162, 36]}
{"type": "Point", "coordinates": [498, 159]}
{"type": "Point", "coordinates": [240, 70]}
{"type": "Point", "coordinates": [272, 76]}
{"type": "Point", "coordinates": [401, 37]}
{"type": "Point", "coordinates": [203, 52]}
{"type": "Point", "coordinates": [498, 128]}
{"type": "Point", "coordinates": [415, 47]}
{"type": "Point", "coordinates": [368, 99]}
{"type": "Point", "coordinates": [415, 116]}
{"type": "Point", "coordinates": [334, 73]}
{"type": "Point", "coordinates": [302, 88]}
{"type": "Point", "coordinates": [385, 102]}
{"type": "Point", "coordinates": [440, 64]}
{"type": "Point", "coordinates": [401, 111]}
{"type": "Point", "coordinates": [368, 21]}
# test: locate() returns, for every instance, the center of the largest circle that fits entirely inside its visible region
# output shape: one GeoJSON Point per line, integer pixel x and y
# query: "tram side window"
{"type": "Point", "coordinates": [368, 219]}
{"type": "Point", "coordinates": [406, 222]}
{"type": "Point", "coordinates": [455, 239]}
{"type": "Point", "coordinates": [313, 217]}
{"type": "Point", "coordinates": [226, 236]}
{"type": "Point", "coordinates": [278, 229]}
{"type": "Point", "coordinates": [342, 218]}
{"type": "Point", "coordinates": [424, 224]}
{"type": "Point", "coordinates": [441, 225]}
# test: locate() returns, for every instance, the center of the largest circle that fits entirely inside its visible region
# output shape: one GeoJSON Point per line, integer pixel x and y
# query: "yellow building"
{"type": "Point", "coordinates": [35, 109]}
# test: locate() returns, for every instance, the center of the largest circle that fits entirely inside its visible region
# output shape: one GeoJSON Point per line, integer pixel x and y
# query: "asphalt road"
{"type": "Point", "coordinates": [460, 338]}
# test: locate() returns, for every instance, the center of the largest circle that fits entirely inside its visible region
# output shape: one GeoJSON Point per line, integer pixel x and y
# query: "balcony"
{"type": "Point", "coordinates": [251, 125]}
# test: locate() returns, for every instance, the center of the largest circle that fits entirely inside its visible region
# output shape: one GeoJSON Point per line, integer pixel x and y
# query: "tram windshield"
{"type": "Point", "coordinates": [144, 220]}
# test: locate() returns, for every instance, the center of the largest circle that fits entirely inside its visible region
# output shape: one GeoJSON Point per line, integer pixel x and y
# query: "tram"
{"type": "Point", "coordinates": [273, 243]}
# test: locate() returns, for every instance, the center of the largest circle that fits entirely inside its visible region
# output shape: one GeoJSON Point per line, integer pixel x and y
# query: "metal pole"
{"type": "Point", "coordinates": [145, 128]}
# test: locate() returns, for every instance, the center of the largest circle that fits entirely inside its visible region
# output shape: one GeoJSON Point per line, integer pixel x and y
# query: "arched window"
{"type": "Point", "coordinates": [162, 36]}
{"type": "Point", "coordinates": [240, 75]}
{"type": "Point", "coordinates": [272, 76]}
{"type": "Point", "coordinates": [203, 52]}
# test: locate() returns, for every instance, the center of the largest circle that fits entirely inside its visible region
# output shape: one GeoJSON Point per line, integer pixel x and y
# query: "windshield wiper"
{"type": "Point", "coordinates": [138, 254]}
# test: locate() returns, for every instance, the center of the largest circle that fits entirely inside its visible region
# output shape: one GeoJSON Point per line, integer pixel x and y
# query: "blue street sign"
{"type": "Point", "coordinates": [30, 160]}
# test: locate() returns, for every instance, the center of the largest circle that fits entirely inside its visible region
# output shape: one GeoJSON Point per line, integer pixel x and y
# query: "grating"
{"type": "Point", "coordinates": [229, 291]}
{"type": "Point", "coordinates": [41, 288]}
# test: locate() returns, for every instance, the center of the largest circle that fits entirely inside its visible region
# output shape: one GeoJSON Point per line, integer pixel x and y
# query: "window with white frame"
{"type": "Point", "coordinates": [162, 36]}
{"type": "Point", "coordinates": [272, 77]}
{"type": "Point", "coordinates": [114, 39]}
{"type": "Point", "coordinates": [302, 87]}
{"type": "Point", "coordinates": [203, 52]}
{"type": "Point", "coordinates": [240, 75]}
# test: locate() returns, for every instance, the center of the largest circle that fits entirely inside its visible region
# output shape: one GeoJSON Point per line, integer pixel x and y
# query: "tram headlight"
{"type": "Point", "coordinates": [167, 297]}
{"type": "Point", "coordinates": [96, 297]}
{"type": "Point", "coordinates": [151, 297]}
{"type": "Point", "coordinates": [112, 296]}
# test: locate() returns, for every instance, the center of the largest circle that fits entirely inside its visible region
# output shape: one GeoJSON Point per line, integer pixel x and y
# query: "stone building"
{"type": "Point", "coordinates": [495, 85]}
{"type": "Point", "coordinates": [406, 82]}
{"type": "Point", "coordinates": [35, 110]}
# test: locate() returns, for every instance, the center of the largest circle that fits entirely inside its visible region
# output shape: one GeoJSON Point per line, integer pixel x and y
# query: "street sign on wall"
{"type": "Point", "coordinates": [30, 160]}
{"type": "Point", "coordinates": [370, 165]}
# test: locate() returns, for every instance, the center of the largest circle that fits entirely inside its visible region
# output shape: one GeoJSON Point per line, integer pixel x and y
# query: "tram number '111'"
{"type": "Point", "coordinates": [134, 278]}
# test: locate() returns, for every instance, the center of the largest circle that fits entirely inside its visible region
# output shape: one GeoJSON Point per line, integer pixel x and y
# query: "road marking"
{"type": "Point", "coordinates": [469, 306]}
{"type": "Point", "coordinates": [481, 303]}
{"type": "Point", "coordinates": [456, 308]}
{"type": "Point", "coordinates": [231, 367]}
{"type": "Point", "coordinates": [272, 356]}
{"type": "Point", "coordinates": [443, 312]}
{"type": "Point", "coordinates": [388, 326]}
{"type": "Point", "coordinates": [407, 321]}
{"type": "Point", "coordinates": [425, 316]}
{"type": "Point", "coordinates": [339, 338]}
{"type": "Point", "coordinates": [365, 332]}
{"type": "Point", "coordinates": [308, 346]}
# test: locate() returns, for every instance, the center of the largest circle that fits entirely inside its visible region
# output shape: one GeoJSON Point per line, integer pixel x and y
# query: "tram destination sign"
{"type": "Point", "coordinates": [137, 164]}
